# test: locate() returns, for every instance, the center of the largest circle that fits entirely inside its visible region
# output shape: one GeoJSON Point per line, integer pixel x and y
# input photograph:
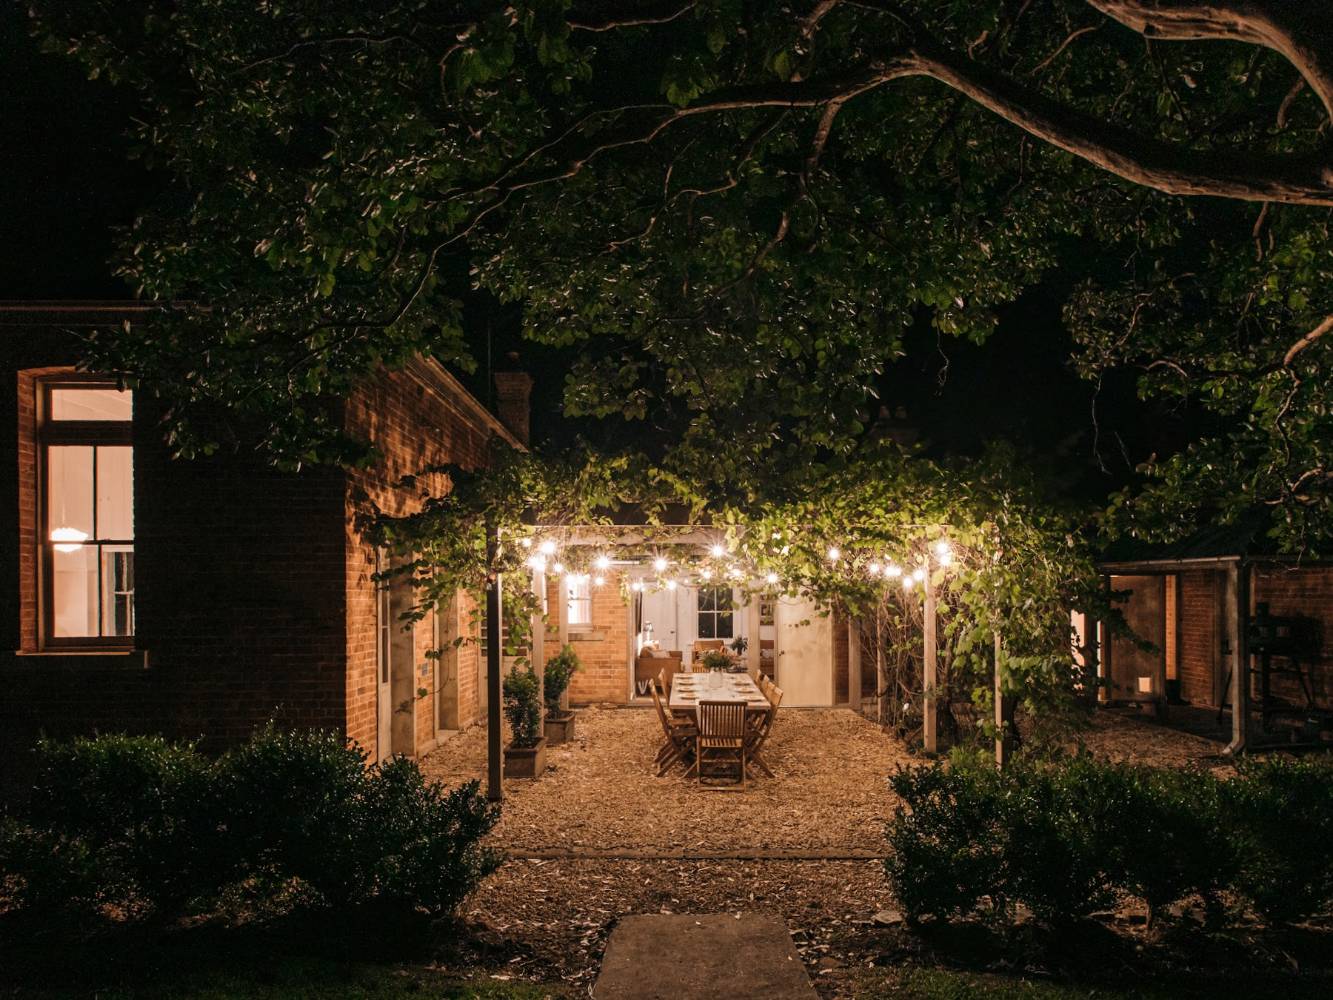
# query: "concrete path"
{"type": "Point", "coordinates": [716, 956]}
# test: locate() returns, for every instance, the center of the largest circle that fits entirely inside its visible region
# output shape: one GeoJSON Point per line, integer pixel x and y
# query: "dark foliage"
{"type": "Point", "coordinates": [148, 826]}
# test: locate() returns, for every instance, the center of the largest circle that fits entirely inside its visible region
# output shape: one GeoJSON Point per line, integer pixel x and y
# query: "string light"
{"type": "Point", "coordinates": [547, 548]}
{"type": "Point", "coordinates": [525, 542]}
{"type": "Point", "coordinates": [943, 553]}
{"type": "Point", "coordinates": [597, 581]}
{"type": "Point", "coordinates": [834, 554]}
{"type": "Point", "coordinates": [718, 551]}
{"type": "Point", "coordinates": [893, 569]}
{"type": "Point", "coordinates": [734, 573]}
{"type": "Point", "coordinates": [707, 574]}
{"type": "Point", "coordinates": [636, 586]}
{"type": "Point", "coordinates": [671, 585]}
{"type": "Point", "coordinates": [873, 569]}
{"type": "Point", "coordinates": [603, 562]}
{"type": "Point", "coordinates": [908, 583]}
{"type": "Point", "coordinates": [536, 563]}
{"type": "Point", "coordinates": [660, 564]}
{"type": "Point", "coordinates": [772, 578]}
{"type": "Point", "coordinates": [558, 567]}
{"type": "Point", "coordinates": [918, 575]}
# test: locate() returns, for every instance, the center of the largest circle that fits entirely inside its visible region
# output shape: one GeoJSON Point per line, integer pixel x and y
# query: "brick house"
{"type": "Point", "coordinates": [1209, 603]}
{"type": "Point", "coordinates": [201, 598]}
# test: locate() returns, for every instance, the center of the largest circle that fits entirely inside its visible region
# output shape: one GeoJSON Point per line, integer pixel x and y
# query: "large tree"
{"type": "Point", "coordinates": [737, 207]}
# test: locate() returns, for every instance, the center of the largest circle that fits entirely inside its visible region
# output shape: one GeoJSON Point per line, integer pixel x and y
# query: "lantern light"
{"type": "Point", "coordinates": [547, 548]}
{"type": "Point", "coordinates": [68, 539]}
{"type": "Point", "coordinates": [660, 564]}
{"type": "Point", "coordinates": [718, 551]}
{"type": "Point", "coordinates": [603, 562]}
{"type": "Point", "coordinates": [834, 554]}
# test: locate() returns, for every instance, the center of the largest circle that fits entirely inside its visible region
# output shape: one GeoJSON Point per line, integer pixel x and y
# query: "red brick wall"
{"type": "Point", "coordinates": [1302, 592]}
{"type": "Point", "coordinates": [841, 664]}
{"type": "Point", "coordinates": [253, 591]}
{"type": "Point", "coordinates": [1200, 635]}
{"type": "Point", "coordinates": [413, 427]}
{"type": "Point", "coordinates": [603, 650]}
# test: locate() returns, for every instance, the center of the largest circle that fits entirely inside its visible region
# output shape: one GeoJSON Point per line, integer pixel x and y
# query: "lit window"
{"type": "Point", "coordinates": [715, 613]}
{"type": "Point", "coordinates": [88, 510]}
{"type": "Point", "coordinates": [578, 600]}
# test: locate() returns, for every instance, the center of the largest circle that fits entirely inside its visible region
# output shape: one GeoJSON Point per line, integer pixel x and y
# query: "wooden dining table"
{"type": "Point", "coordinates": [687, 690]}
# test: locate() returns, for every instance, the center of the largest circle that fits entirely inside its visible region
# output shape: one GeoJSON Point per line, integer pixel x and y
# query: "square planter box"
{"type": "Point", "coordinates": [525, 762]}
{"type": "Point", "coordinates": [559, 728]}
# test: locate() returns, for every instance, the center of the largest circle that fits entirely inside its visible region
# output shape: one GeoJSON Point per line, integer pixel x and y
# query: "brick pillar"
{"type": "Point", "coordinates": [512, 399]}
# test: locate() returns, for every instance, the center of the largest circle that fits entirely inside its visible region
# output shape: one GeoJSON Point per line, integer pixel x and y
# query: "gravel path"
{"type": "Point", "coordinates": [601, 792]}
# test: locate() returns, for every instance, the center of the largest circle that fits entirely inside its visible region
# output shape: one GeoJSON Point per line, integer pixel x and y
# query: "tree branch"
{"type": "Point", "coordinates": [659, 13]}
{"type": "Point", "coordinates": [1295, 349]}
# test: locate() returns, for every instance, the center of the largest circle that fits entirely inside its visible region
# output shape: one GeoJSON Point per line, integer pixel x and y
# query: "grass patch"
{"type": "Point", "coordinates": [302, 978]}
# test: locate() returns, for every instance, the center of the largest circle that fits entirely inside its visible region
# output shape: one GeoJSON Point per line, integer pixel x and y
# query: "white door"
{"type": "Point", "coordinates": [804, 653]}
{"type": "Point", "coordinates": [660, 611]}
{"type": "Point", "coordinates": [383, 672]}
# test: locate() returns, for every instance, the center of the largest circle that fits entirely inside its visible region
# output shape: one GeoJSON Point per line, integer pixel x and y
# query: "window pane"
{"type": "Point", "coordinates": [91, 404]}
{"type": "Point", "coordinates": [74, 589]}
{"type": "Point", "coordinates": [69, 496]}
{"type": "Point", "coordinates": [707, 626]}
{"type": "Point", "coordinates": [724, 599]}
{"type": "Point", "coordinates": [117, 590]}
{"type": "Point", "coordinates": [115, 493]}
{"type": "Point", "coordinates": [724, 625]}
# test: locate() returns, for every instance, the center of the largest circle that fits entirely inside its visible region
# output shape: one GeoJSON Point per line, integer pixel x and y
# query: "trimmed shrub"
{"type": "Point", "coordinates": [138, 811]}
{"type": "Point", "coordinates": [947, 839]}
{"type": "Point", "coordinates": [147, 825]}
{"type": "Point", "coordinates": [555, 677]}
{"type": "Point", "coordinates": [1280, 814]}
{"type": "Point", "coordinates": [523, 707]}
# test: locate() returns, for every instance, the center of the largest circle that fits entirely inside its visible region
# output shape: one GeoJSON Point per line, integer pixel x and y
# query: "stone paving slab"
{"type": "Point", "coordinates": [714, 956]}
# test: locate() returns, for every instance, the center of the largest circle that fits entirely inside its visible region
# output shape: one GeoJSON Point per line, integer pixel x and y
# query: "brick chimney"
{"type": "Point", "coordinates": [513, 391]}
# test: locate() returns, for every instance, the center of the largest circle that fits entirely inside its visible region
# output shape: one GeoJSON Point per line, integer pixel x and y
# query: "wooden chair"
{"type": "Point", "coordinates": [679, 734]}
{"type": "Point", "coordinates": [760, 726]}
{"type": "Point", "coordinates": [767, 657]}
{"type": "Point", "coordinates": [720, 736]}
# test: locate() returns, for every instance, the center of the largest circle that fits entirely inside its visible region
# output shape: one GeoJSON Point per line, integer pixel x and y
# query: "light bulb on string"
{"type": "Point", "coordinates": [707, 574]}
{"type": "Point", "coordinates": [873, 569]}
{"type": "Point", "coordinates": [547, 548]}
{"type": "Point", "coordinates": [660, 564]}
{"type": "Point", "coordinates": [943, 553]}
{"type": "Point", "coordinates": [834, 553]}
{"type": "Point", "coordinates": [671, 585]}
{"type": "Point", "coordinates": [908, 583]}
{"type": "Point", "coordinates": [772, 578]}
{"type": "Point", "coordinates": [718, 551]}
{"type": "Point", "coordinates": [893, 569]}
{"type": "Point", "coordinates": [918, 575]}
{"type": "Point", "coordinates": [603, 562]}
{"type": "Point", "coordinates": [525, 542]}
{"type": "Point", "coordinates": [558, 567]}
{"type": "Point", "coordinates": [597, 581]}
{"type": "Point", "coordinates": [636, 586]}
{"type": "Point", "coordinates": [536, 563]}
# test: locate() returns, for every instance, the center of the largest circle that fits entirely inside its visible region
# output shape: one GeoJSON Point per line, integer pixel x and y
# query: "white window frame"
{"type": "Point", "coordinates": [578, 601]}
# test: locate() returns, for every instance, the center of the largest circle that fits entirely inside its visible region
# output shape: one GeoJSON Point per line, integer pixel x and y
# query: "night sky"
{"type": "Point", "coordinates": [70, 181]}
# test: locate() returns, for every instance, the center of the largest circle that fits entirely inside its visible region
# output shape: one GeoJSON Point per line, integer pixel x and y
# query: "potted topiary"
{"type": "Point", "coordinates": [559, 721]}
{"type": "Point", "coordinates": [525, 757]}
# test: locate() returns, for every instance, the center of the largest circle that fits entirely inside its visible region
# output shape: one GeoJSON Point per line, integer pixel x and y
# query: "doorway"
{"type": "Point", "coordinates": [447, 716]}
{"type": "Point", "coordinates": [395, 655]}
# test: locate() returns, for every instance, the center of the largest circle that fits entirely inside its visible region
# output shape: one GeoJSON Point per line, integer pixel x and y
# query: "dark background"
{"type": "Point", "coordinates": [69, 181]}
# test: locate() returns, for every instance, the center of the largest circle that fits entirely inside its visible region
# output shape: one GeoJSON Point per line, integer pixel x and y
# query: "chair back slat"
{"type": "Point", "coordinates": [661, 712]}
{"type": "Point", "coordinates": [722, 719]}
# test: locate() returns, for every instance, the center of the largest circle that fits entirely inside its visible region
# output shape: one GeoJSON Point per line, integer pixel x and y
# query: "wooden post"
{"type": "Point", "coordinates": [1237, 625]}
{"type": "Point", "coordinates": [494, 781]}
{"type": "Point", "coordinates": [929, 709]}
{"type": "Point", "coordinates": [854, 664]}
{"type": "Point", "coordinates": [1003, 713]}
{"type": "Point", "coordinates": [881, 670]}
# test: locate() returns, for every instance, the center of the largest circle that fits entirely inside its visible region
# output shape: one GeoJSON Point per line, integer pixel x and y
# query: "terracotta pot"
{"type": "Point", "coordinates": [525, 762]}
{"type": "Point", "coordinates": [559, 728]}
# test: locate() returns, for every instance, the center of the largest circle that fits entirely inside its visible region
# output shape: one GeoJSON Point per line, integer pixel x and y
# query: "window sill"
{"type": "Point", "coordinates": [589, 635]}
{"type": "Point", "coordinates": [76, 659]}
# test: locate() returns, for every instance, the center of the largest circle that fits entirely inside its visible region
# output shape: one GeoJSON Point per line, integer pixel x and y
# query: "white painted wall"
{"type": "Point", "coordinates": [804, 653]}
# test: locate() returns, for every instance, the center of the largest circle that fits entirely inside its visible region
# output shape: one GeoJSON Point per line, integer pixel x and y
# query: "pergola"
{"type": "Point", "coordinates": [705, 536]}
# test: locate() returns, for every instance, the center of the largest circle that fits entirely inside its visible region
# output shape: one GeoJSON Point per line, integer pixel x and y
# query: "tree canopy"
{"type": "Point", "coordinates": [735, 210]}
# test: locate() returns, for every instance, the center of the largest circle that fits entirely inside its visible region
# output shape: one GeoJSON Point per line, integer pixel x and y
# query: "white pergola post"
{"type": "Point", "coordinates": [881, 671]}
{"type": "Point", "coordinates": [929, 708]}
{"type": "Point", "coordinates": [537, 643]}
{"type": "Point", "coordinates": [1237, 625]}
